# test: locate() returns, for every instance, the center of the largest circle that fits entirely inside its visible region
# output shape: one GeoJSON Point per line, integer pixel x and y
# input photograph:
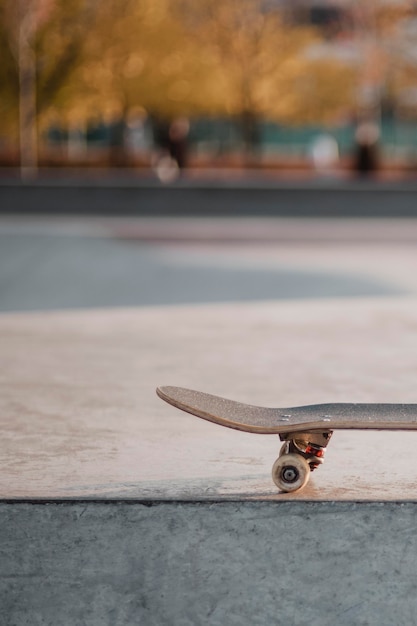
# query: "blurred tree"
{"type": "Point", "coordinates": [9, 75]}
{"type": "Point", "coordinates": [385, 41]}
{"type": "Point", "coordinates": [171, 57]}
{"type": "Point", "coordinates": [20, 23]}
{"type": "Point", "coordinates": [262, 65]}
{"type": "Point", "coordinates": [42, 44]}
{"type": "Point", "coordinates": [397, 39]}
{"type": "Point", "coordinates": [151, 62]}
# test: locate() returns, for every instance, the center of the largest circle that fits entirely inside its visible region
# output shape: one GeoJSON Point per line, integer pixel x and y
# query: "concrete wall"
{"type": "Point", "coordinates": [130, 198]}
{"type": "Point", "coordinates": [220, 563]}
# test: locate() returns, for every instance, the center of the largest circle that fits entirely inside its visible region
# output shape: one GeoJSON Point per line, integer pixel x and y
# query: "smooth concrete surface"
{"type": "Point", "coordinates": [48, 264]}
{"type": "Point", "coordinates": [80, 418]}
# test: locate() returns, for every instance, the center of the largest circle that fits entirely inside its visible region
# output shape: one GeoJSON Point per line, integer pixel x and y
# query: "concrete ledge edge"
{"type": "Point", "coordinates": [149, 503]}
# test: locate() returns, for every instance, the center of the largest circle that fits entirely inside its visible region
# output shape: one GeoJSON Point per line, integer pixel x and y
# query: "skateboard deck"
{"type": "Point", "coordinates": [275, 421]}
{"type": "Point", "coordinates": [305, 430]}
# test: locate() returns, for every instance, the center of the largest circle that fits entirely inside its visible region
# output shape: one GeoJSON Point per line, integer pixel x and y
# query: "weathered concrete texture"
{"type": "Point", "coordinates": [221, 564]}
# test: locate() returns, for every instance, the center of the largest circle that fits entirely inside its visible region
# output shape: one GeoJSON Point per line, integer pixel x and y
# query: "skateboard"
{"type": "Point", "coordinates": [304, 430]}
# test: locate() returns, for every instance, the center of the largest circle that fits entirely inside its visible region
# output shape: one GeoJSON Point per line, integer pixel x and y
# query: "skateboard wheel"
{"type": "Point", "coordinates": [290, 472]}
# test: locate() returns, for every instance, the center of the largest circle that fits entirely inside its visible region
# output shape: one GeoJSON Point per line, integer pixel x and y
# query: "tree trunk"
{"type": "Point", "coordinates": [27, 93]}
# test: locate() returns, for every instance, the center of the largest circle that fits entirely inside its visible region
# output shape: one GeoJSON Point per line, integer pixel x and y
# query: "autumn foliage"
{"type": "Point", "coordinates": [170, 57]}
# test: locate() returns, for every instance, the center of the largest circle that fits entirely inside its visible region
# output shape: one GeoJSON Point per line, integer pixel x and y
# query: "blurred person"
{"type": "Point", "coordinates": [76, 142]}
{"type": "Point", "coordinates": [172, 140]}
{"type": "Point", "coordinates": [138, 134]}
{"type": "Point", "coordinates": [178, 141]}
{"type": "Point", "coordinates": [324, 153]}
{"type": "Point", "coordinates": [117, 148]}
{"type": "Point", "coordinates": [366, 148]}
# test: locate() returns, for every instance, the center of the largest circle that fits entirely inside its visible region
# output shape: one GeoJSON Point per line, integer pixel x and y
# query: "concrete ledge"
{"type": "Point", "coordinates": [117, 509]}
{"type": "Point", "coordinates": [221, 563]}
{"type": "Point", "coordinates": [209, 199]}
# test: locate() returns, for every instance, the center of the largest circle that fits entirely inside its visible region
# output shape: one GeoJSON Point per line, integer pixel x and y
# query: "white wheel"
{"type": "Point", "coordinates": [290, 472]}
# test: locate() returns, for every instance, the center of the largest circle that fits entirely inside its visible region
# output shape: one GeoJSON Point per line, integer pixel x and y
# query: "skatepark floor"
{"type": "Point", "coordinates": [124, 510]}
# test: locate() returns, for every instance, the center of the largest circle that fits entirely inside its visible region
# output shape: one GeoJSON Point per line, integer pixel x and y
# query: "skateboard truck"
{"type": "Point", "coordinates": [301, 454]}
